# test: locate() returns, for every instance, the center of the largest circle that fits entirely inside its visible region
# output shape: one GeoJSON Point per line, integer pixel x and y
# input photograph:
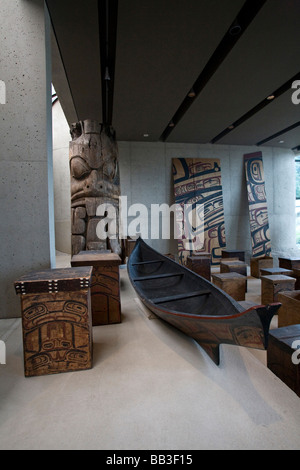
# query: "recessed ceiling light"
{"type": "Point", "coordinates": [146, 135]}
{"type": "Point", "coordinates": [171, 124]}
{"type": "Point", "coordinates": [281, 141]}
{"type": "Point", "coordinates": [270, 97]}
{"type": "Point", "coordinates": [191, 93]}
{"type": "Point", "coordinates": [231, 127]}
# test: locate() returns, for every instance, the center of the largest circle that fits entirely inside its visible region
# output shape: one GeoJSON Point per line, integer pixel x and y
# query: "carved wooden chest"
{"type": "Point", "coordinates": [56, 320]}
{"type": "Point", "coordinates": [105, 287]}
{"type": "Point", "coordinates": [282, 356]}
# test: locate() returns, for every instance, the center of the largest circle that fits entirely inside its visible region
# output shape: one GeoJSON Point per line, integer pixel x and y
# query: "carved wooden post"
{"type": "Point", "coordinates": [94, 181]}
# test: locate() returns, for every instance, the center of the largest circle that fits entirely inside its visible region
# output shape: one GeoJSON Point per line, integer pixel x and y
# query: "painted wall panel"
{"type": "Point", "coordinates": [198, 190]}
{"type": "Point", "coordinates": [257, 200]}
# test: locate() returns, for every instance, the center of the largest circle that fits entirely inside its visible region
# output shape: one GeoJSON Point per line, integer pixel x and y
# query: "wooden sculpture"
{"type": "Point", "coordinates": [94, 183]}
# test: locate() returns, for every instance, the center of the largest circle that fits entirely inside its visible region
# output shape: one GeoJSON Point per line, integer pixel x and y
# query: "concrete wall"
{"type": "Point", "coordinates": [25, 145]}
{"type": "Point", "coordinates": [61, 177]}
{"type": "Point", "coordinates": [146, 177]}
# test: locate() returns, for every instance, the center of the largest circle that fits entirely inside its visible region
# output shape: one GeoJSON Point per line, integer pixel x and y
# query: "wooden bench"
{"type": "Point", "coordinates": [234, 284]}
{"type": "Point", "coordinates": [282, 356]}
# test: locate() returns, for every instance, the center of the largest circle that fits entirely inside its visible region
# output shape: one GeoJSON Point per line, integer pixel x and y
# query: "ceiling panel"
{"type": "Point", "coordinates": [278, 115]}
{"type": "Point", "coordinates": [161, 48]}
{"type": "Point", "coordinates": [265, 57]}
{"type": "Point", "coordinates": [77, 33]}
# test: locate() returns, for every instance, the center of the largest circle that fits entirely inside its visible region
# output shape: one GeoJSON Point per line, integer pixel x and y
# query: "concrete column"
{"type": "Point", "coordinates": [26, 193]}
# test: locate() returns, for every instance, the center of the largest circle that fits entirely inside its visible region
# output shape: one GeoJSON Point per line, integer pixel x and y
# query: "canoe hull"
{"type": "Point", "coordinates": [219, 319]}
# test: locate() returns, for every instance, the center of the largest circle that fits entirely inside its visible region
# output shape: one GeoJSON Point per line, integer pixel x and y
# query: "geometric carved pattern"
{"type": "Point", "coordinates": [56, 332]}
{"type": "Point", "coordinates": [57, 328]}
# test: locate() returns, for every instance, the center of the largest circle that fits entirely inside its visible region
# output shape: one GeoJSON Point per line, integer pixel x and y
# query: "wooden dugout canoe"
{"type": "Point", "coordinates": [194, 305]}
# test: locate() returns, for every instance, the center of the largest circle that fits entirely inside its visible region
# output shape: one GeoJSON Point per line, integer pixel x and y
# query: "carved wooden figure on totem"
{"type": "Point", "coordinates": [94, 182]}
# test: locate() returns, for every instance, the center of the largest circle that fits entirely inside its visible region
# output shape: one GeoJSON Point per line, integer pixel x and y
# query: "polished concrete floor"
{"type": "Point", "coordinates": [150, 388]}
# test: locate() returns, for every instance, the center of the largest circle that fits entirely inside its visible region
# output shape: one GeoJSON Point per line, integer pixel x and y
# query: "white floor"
{"type": "Point", "coordinates": [150, 388]}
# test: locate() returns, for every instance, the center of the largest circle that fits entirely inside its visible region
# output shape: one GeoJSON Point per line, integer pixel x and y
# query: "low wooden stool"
{"type": "Point", "coordinates": [272, 285]}
{"type": "Point", "coordinates": [281, 357]}
{"type": "Point", "coordinates": [239, 254]}
{"type": "Point", "coordinates": [289, 263]}
{"type": "Point", "coordinates": [56, 320]}
{"type": "Point", "coordinates": [234, 284]}
{"type": "Point", "coordinates": [129, 246]}
{"type": "Point", "coordinates": [256, 264]}
{"type": "Point", "coordinates": [105, 288]}
{"type": "Point", "coordinates": [200, 264]}
{"type": "Point", "coordinates": [289, 312]}
{"type": "Point", "coordinates": [233, 267]}
{"type": "Point", "coordinates": [271, 271]}
{"type": "Point", "coordinates": [296, 275]}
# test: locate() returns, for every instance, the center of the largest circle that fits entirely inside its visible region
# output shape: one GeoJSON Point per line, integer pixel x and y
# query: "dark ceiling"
{"type": "Point", "coordinates": [132, 64]}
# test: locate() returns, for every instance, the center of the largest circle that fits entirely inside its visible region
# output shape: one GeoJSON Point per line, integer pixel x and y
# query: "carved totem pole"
{"type": "Point", "coordinates": [94, 182]}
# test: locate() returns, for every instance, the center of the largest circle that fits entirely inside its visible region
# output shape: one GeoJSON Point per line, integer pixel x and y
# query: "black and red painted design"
{"type": "Point", "coordinates": [257, 200]}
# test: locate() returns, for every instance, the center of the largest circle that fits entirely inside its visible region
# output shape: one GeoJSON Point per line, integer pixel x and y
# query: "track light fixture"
{"type": "Point", "coordinates": [192, 93]}
{"type": "Point", "coordinates": [106, 76]}
{"type": "Point", "coordinates": [235, 28]}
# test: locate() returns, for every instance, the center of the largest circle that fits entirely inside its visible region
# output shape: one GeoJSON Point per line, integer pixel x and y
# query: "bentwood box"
{"type": "Point", "coordinates": [105, 288]}
{"type": "Point", "coordinates": [56, 320]}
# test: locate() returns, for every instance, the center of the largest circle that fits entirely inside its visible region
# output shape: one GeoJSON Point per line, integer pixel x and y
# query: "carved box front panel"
{"type": "Point", "coordinates": [57, 333]}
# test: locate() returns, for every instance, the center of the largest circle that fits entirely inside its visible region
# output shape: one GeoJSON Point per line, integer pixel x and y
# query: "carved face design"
{"type": "Point", "coordinates": [93, 166]}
